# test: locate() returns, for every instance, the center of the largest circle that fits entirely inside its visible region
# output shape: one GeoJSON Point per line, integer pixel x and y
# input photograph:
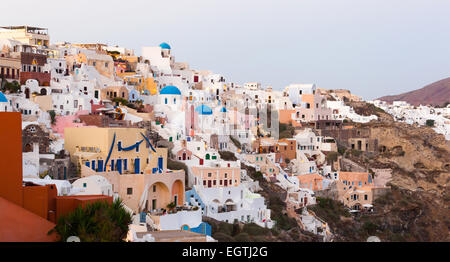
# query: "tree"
{"type": "Point", "coordinates": [52, 116]}
{"type": "Point", "coordinates": [95, 222]}
{"type": "Point", "coordinates": [332, 157]}
{"type": "Point", "coordinates": [13, 87]}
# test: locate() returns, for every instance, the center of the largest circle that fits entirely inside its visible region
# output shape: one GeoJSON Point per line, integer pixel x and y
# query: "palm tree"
{"type": "Point", "coordinates": [96, 222]}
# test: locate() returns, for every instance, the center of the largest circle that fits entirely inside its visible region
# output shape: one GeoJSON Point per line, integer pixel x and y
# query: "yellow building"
{"type": "Point", "coordinates": [137, 171]}
{"type": "Point", "coordinates": [140, 83]}
{"type": "Point", "coordinates": [28, 35]}
{"type": "Point", "coordinates": [125, 150]}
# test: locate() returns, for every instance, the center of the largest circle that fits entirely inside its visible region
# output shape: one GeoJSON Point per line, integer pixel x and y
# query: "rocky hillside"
{"type": "Point", "coordinates": [417, 207]}
{"type": "Point", "coordinates": [436, 94]}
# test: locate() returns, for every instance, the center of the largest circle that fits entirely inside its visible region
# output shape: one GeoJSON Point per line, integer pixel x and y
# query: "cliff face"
{"type": "Point", "coordinates": [436, 94]}
{"type": "Point", "coordinates": [416, 209]}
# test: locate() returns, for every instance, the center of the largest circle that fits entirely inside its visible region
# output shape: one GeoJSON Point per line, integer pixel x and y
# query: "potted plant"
{"type": "Point", "coordinates": [171, 206]}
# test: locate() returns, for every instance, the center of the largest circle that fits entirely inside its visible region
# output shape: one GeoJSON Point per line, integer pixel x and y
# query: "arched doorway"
{"type": "Point", "coordinates": [28, 148]}
{"type": "Point", "coordinates": [158, 196]}
{"type": "Point", "coordinates": [177, 193]}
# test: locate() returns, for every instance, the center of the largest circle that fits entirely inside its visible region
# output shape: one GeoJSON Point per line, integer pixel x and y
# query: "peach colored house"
{"type": "Point", "coordinates": [355, 189]}
{"type": "Point", "coordinates": [311, 181]}
{"type": "Point", "coordinates": [287, 148]}
{"type": "Point", "coordinates": [356, 179]}
{"type": "Point", "coordinates": [266, 166]}
{"type": "Point", "coordinates": [315, 108]}
{"type": "Point", "coordinates": [148, 191]}
{"type": "Point", "coordinates": [112, 92]}
{"type": "Point", "coordinates": [358, 198]}
{"type": "Point", "coordinates": [285, 117]}
{"type": "Point", "coordinates": [184, 154]}
{"type": "Point", "coordinates": [216, 176]}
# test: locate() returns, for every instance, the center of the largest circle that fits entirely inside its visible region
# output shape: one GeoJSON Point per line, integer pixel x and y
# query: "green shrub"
{"type": "Point", "coordinates": [222, 237]}
{"type": "Point", "coordinates": [52, 116]}
{"type": "Point", "coordinates": [332, 157]}
{"type": "Point", "coordinates": [254, 230]}
{"type": "Point", "coordinates": [369, 227]}
{"type": "Point", "coordinates": [95, 222]}
{"type": "Point", "coordinates": [430, 122]}
{"type": "Point", "coordinates": [242, 237]}
{"type": "Point", "coordinates": [227, 156]}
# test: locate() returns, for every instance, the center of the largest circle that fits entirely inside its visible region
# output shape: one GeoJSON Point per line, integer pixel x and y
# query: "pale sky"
{"type": "Point", "coordinates": [371, 47]}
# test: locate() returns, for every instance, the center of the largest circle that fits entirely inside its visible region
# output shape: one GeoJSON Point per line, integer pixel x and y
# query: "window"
{"type": "Point", "coordinates": [129, 191]}
{"type": "Point", "coordinates": [84, 184]}
{"type": "Point", "coordinates": [209, 174]}
{"type": "Point", "coordinates": [365, 197]}
{"type": "Point", "coordinates": [154, 188]}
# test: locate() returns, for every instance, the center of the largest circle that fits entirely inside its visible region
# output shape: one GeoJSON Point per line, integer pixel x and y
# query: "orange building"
{"type": "Point", "coordinates": [287, 148]}
{"type": "Point", "coordinates": [285, 116]}
{"type": "Point", "coordinates": [28, 211]}
{"type": "Point", "coordinates": [311, 181]}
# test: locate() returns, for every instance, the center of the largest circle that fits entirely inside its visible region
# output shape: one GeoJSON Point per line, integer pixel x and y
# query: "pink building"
{"type": "Point", "coordinates": [62, 122]}
{"type": "Point", "coordinates": [217, 176]}
{"type": "Point", "coordinates": [314, 107]}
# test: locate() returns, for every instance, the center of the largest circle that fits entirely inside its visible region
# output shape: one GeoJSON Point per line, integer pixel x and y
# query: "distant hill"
{"type": "Point", "coordinates": [436, 94]}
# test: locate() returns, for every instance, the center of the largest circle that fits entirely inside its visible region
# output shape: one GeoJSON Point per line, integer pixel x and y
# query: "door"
{"type": "Point", "coordinates": [160, 163]}
{"type": "Point", "coordinates": [119, 165]}
{"type": "Point", "coordinates": [201, 161]}
{"type": "Point", "coordinates": [209, 183]}
{"type": "Point", "coordinates": [137, 166]}
{"type": "Point", "coordinates": [184, 156]}
{"type": "Point", "coordinates": [175, 200]}
{"type": "Point", "coordinates": [225, 182]}
{"type": "Point", "coordinates": [154, 204]}
{"type": "Point", "coordinates": [100, 165]}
